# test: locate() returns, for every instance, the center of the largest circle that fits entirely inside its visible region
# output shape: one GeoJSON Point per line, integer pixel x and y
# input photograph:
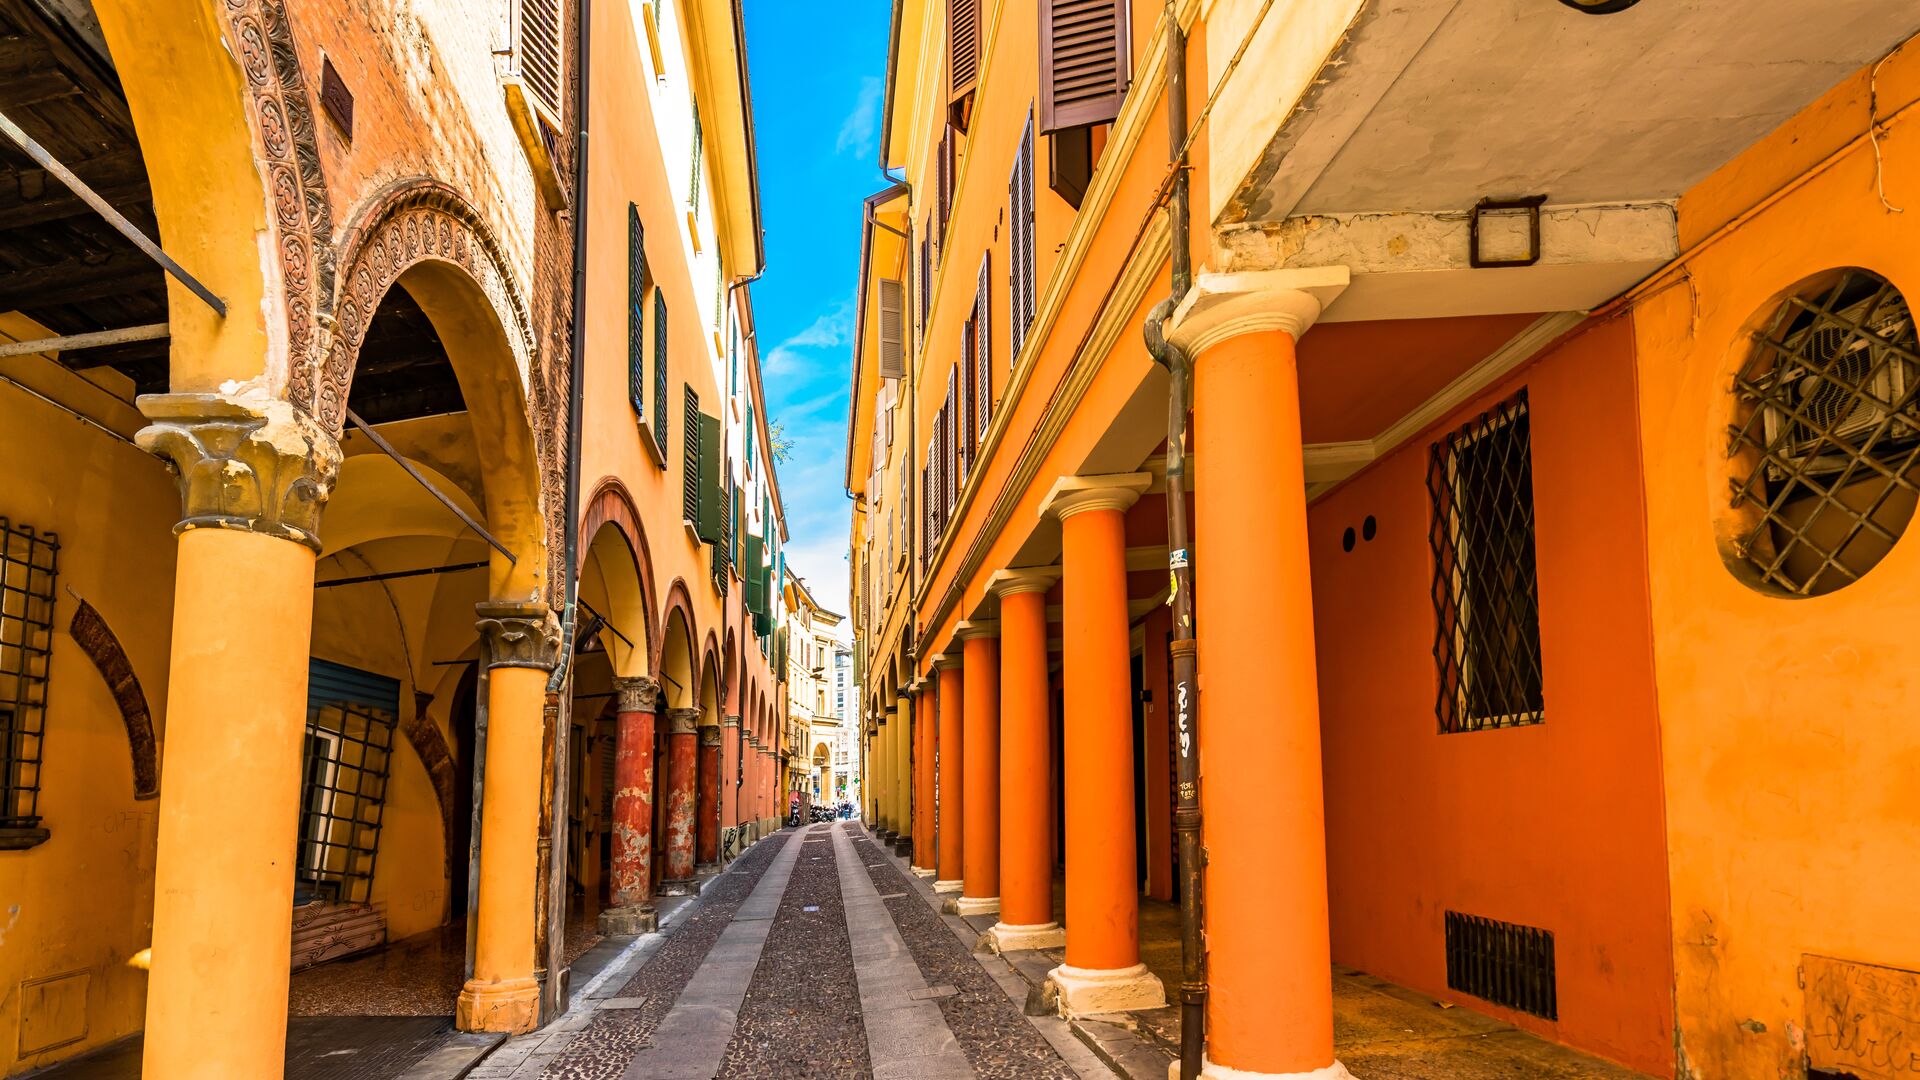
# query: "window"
{"type": "Point", "coordinates": [660, 373]}
{"type": "Point", "coordinates": [1485, 589]}
{"type": "Point", "coordinates": [636, 314]}
{"type": "Point", "coordinates": [350, 720]}
{"type": "Point", "coordinates": [29, 562]}
{"type": "Point", "coordinates": [1020, 252]}
{"type": "Point", "coordinates": [1825, 437]}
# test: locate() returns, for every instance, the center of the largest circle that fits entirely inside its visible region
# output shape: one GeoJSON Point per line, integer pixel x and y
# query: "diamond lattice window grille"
{"type": "Point", "coordinates": [1485, 587]}
{"type": "Point", "coordinates": [1826, 436]}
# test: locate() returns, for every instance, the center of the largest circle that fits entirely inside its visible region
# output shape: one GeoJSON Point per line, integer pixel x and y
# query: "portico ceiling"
{"type": "Point", "coordinates": [1431, 105]}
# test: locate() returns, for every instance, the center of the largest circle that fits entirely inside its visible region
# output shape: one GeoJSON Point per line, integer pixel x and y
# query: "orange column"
{"type": "Point", "coordinates": [980, 780]}
{"type": "Point", "coordinates": [252, 482]}
{"type": "Point", "coordinates": [1026, 835]}
{"type": "Point", "coordinates": [502, 994]}
{"type": "Point", "coordinates": [1270, 1005]}
{"type": "Point", "coordinates": [1103, 972]}
{"type": "Point", "coordinates": [925, 850]}
{"type": "Point", "coordinates": [950, 778]}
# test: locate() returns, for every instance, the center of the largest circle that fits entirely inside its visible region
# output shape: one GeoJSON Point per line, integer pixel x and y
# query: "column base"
{"type": "Point", "coordinates": [1080, 991]}
{"type": "Point", "coordinates": [968, 906]}
{"type": "Point", "coordinates": [511, 1006]}
{"type": "Point", "coordinates": [706, 869]}
{"type": "Point", "coordinates": [629, 921]}
{"type": "Point", "coordinates": [925, 872]}
{"type": "Point", "coordinates": [1210, 1070]}
{"type": "Point", "coordinates": [1003, 938]}
{"type": "Point", "coordinates": [903, 846]}
{"type": "Point", "coordinates": [883, 835]}
{"type": "Point", "coordinates": [953, 886]}
{"type": "Point", "coordinates": [684, 887]}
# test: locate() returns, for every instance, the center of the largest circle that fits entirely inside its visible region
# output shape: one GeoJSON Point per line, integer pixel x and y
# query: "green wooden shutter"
{"type": "Point", "coordinates": [693, 189]}
{"type": "Point", "coordinates": [708, 523]}
{"type": "Point", "coordinates": [723, 551]}
{"type": "Point", "coordinates": [751, 547]}
{"type": "Point", "coordinates": [753, 436]}
{"type": "Point", "coordinates": [660, 372]}
{"type": "Point", "coordinates": [690, 455]}
{"type": "Point", "coordinates": [636, 313]}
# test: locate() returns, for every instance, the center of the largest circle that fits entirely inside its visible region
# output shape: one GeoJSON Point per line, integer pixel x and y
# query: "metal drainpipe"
{"type": "Point", "coordinates": [1186, 814]}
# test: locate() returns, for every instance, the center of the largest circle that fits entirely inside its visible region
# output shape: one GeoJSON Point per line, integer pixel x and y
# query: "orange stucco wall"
{"type": "Point", "coordinates": [1556, 825]}
{"type": "Point", "coordinates": [1790, 742]}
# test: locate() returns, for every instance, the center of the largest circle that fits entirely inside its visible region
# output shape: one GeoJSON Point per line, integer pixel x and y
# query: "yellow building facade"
{"type": "Point", "coordinates": [387, 528]}
{"type": "Point", "coordinates": [1430, 480]}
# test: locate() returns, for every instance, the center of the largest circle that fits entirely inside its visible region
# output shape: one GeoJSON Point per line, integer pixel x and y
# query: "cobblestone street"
{"type": "Point", "coordinates": [813, 957]}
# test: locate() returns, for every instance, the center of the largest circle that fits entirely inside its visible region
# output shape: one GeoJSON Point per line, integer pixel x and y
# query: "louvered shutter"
{"type": "Point", "coordinates": [963, 49]}
{"type": "Point", "coordinates": [636, 313]}
{"type": "Point", "coordinates": [943, 178]}
{"type": "Point", "coordinates": [753, 437]}
{"type": "Point", "coordinates": [693, 185]}
{"type": "Point", "coordinates": [723, 551]}
{"type": "Point", "coordinates": [660, 372]}
{"type": "Point", "coordinates": [538, 29]}
{"type": "Point", "coordinates": [1021, 257]}
{"type": "Point", "coordinates": [957, 477]}
{"type": "Point", "coordinates": [1083, 62]}
{"type": "Point", "coordinates": [983, 348]}
{"type": "Point", "coordinates": [708, 522]}
{"type": "Point", "coordinates": [893, 337]}
{"type": "Point", "coordinates": [690, 456]}
{"type": "Point", "coordinates": [906, 502]}
{"type": "Point", "coordinates": [927, 536]}
{"type": "Point", "coordinates": [926, 286]}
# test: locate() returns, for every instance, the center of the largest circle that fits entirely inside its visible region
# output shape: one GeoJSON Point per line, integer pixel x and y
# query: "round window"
{"type": "Point", "coordinates": [1825, 436]}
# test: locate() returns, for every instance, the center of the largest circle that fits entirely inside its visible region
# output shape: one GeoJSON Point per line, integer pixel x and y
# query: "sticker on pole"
{"type": "Point", "coordinates": [1177, 559]}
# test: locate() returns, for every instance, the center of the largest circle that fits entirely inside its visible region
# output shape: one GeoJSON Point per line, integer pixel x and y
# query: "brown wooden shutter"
{"type": "Point", "coordinates": [944, 169]}
{"type": "Point", "coordinates": [926, 283]}
{"type": "Point", "coordinates": [1021, 257]}
{"type": "Point", "coordinates": [983, 347]}
{"type": "Point", "coordinates": [1083, 62]}
{"type": "Point", "coordinates": [955, 411]}
{"type": "Point", "coordinates": [963, 49]}
{"type": "Point", "coordinates": [538, 29]}
{"type": "Point", "coordinates": [893, 329]}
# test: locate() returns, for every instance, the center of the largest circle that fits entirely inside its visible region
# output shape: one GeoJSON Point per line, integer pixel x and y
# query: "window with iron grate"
{"type": "Point", "coordinates": [29, 562]}
{"type": "Point", "coordinates": [351, 716]}
{"type": "Point", "coordinates": [1825, 437]}
{"type": "Point", "coordinates": [1485, 585]}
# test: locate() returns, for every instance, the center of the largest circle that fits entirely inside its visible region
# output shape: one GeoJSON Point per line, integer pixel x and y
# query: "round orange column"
{"type": "Point", "coordinates": [1103, 972]}
{"type": "Point", "coordinates": [629, 891]}
{"type": "Point", "coordinates": [1026, 840]}
{"type": "Point", "coordinates": [925, 850]}
{"type": "Point", "coordinates": [950, 778]}
{"type": "Point", "coordinates": [502, 994]}
{"type": "Point", "coordinates": [980, 780]}
{"type": "Point", "coordinates": [1270, 1003]}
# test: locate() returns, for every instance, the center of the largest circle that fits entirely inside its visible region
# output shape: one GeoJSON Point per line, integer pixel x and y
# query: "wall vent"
{"type": "Point", "coordinates": [1505, 963]}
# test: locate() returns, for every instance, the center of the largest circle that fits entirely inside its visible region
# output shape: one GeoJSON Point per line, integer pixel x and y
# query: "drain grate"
{"type": "Point", "coordinates": [1505, 963]}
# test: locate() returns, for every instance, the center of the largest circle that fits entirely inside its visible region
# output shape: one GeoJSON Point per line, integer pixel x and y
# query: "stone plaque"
{"type": "Point", "coordinates": [1862, 1020]}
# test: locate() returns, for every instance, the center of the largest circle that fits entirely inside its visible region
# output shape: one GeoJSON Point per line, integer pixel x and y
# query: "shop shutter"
{"type": "Point", "coordinates": [963, 48]}
{"type": "Point", "coordinates": [709, 522]}
{"type": "Point", "coordinates": [893, 343]}
{"type": "Point", "coordinates": [690, 456]}
{"type": "Point", "coordinates": [1083, 62]}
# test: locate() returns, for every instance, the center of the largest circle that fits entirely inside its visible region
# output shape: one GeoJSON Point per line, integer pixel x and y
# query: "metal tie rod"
{"type": "Point", "coordinates": [105, 209]}
{"type": "Point", "coordinates": [387, 449]}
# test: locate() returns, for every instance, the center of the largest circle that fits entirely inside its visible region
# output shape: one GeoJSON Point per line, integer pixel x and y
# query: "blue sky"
{"type": "Point", "coordinates": [816, 106]}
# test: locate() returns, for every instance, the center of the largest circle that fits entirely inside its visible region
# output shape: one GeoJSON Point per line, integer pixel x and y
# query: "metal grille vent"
{"type": "Point", "coordinates": [1826, 435]}
{"type": "Point", "coordinates": [1505, 963]}
{"type": "Point", "coordinates": [1485, 587]}
{"type": "Point", "coordinates": [29, 561]}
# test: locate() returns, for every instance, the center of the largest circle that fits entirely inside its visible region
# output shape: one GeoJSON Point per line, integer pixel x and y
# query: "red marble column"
{"type": "Point", "coordinates": [629, 888]}
{"type": "Point", "coordinates": [707, 827]}
{"type": "Point", "coordinates": [683, 753]}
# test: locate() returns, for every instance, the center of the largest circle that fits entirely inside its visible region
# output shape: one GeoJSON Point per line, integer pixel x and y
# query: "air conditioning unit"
{"type": "Point", "coordinates": [1804, 410]}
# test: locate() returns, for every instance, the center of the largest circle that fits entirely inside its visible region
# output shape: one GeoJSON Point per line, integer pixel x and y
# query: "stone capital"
{"type": "Point", "coordinates": [519, 634]}
{"type": "Point", "coordinates": [710, 736]}
{"type": "Point", "coordinates": [1072, 495]}
{"type": "Point", "coordinates": [1224, 306]}
{"type": "Point", "coordinates": [729, 721]}
{"type": "Point", "coordinates": [943, 662]}
{"type": "Point", "coordinates": [968, 629]}
{"type": "Point", "coordinates": [636, 693]}
{"type": "Point", "coordinates": [260, 466]}
{"type": "Point", "coordinates": [1027, 580]}
{"type": "Point", "coordinates": [683, 721]}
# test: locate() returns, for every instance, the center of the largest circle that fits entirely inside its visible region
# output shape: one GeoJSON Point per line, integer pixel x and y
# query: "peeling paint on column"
{"type": "Point", "coordinates": [633, 793]}
{"type": "Point", "coordinates": [682, 767]}
{"type": "Point", "coordinates": [707, 827]}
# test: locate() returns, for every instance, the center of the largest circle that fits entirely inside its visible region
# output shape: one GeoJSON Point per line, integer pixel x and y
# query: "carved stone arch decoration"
{"type": "Point", "coordinates": [409, 222]}
{"type": "Point", "coordinates": [302, 211]}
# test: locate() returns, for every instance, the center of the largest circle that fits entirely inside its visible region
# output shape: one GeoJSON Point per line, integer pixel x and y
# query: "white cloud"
{"type": "Point", "coordinates": [832, 329]}
{"type": "Point", "coordinates": [856, 131]}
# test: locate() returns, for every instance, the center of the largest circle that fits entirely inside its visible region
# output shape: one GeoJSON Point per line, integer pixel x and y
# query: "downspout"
{"type": "Point", "coordinates": [1186, 814]}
